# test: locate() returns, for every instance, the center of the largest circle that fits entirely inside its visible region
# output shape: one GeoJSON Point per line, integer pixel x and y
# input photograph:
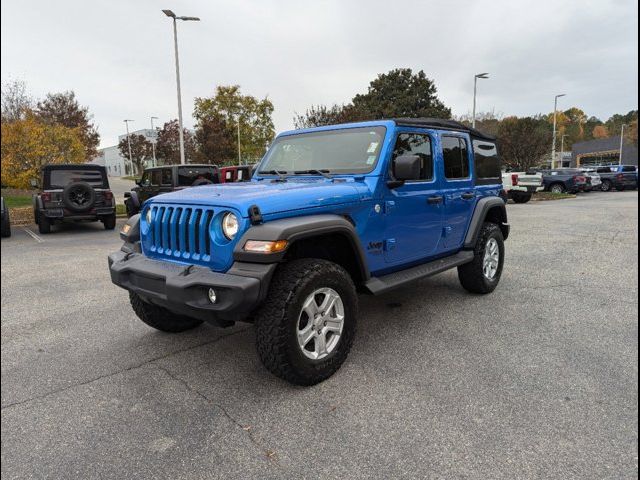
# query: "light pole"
{"type": "Point", "coordinates": [126, 122]}
{"type": "Point", "coordinates": [562, 148]}
{"type": "Point", "coordinates": [239, 155]}
{"type": "Point", "coordinates": [553, 144]}
{"type": "Point", "coordinates": [153, 144]}
{"type": "Point", "coordinates": [621, 143]}
{"type": "Point", "coordinates": [169, 13]}
{"type": "Point", "coordinates": [475, 90]}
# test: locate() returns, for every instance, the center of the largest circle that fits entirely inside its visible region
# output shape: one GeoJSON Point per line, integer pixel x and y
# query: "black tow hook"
{"type": "Point", "coordinates": [187, 270]}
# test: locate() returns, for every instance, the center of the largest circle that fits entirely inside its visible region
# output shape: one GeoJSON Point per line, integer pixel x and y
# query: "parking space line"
{"type": "Point", "coordinates": [37, 238]}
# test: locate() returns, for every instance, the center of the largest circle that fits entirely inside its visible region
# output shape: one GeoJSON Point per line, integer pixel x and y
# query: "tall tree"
{"type": "Point", "coordinates": [600, 131]}
{"type": "Point", "coordinates": [400, 93]}
{"type": "Point", "coordinates": [252, 115]}
{"type": "Point", "coordinates": [523, 142]}
{"type": "Point", "coordinates": [28, 144]}
{"type": "Point", "coordinates": [321, 115]}
{"type": "Point", "coordinates": [16, 101]}
{"type": "Point", "coordinates": [215, 141]}
{"type": "Point", "coordinates": [486, 122]}
{"type": "Point", "coordinates": [64, 109]}
{"type": "Point", "coordinates": [168, 144]}
{"type": "Point", "coordinates": [141, 149]}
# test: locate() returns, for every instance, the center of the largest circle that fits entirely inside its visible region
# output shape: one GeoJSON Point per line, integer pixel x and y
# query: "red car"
{"type": "Point", "coordinates": [241, 173]}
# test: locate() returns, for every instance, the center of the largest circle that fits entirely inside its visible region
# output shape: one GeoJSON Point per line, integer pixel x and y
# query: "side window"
{"type": "Point", "coordinates": [240, 175]}
{"type": "Point", "coordinates": [146, 179]}
{"type": "Point", "coordinates": [156, 178]}
{"type": "Point", "coordinates": [166, 176]}
{"type": "Point", "coordinates": [228, 176]}
{"type": "Point", "coordinates": [456, 160]}
{"type": "Point", "coordinates": [416, 144]}
{"type": "Point", "coordinates": [486, 160]}
{"type": "Point", "coordinates": [628, 169]}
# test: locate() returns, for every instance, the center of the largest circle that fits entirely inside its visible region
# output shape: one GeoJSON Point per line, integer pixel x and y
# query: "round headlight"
{"type": "Point", "coordinates": [148, 217]}
{"type": "Point", "coordinates": [230, 225]}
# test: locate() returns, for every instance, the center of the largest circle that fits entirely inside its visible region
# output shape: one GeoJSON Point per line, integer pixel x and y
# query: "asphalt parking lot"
{"type": "Point", "coordinates": [538, 380]}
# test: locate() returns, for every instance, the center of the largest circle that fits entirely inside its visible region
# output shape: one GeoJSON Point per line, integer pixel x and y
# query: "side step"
{"type": "Point", "coordinates": [378, 285]}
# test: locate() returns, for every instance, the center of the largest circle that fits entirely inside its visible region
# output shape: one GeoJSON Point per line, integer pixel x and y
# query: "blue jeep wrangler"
{"type": "Point", "coordinates": [329, 213]}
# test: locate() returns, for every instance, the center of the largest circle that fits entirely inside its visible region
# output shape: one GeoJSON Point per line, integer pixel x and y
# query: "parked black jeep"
{"type": "Point", "coordinates": [6, 222]}
{"type": "Point", "coordinates": [169, 178]}
{"type": "Point", "coordinates": [73, 193]}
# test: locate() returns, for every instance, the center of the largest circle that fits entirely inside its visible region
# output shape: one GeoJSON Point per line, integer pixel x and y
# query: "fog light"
{"type": "Point", "coordinates": [212, 295]}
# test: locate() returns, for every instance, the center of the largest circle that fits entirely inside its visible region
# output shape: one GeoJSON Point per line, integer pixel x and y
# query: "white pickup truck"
{"type": "Point", "coordinates": [521, 186]}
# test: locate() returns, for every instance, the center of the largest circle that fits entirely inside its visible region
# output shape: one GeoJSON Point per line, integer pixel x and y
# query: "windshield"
{"type": "Point", "coordinates": [353, 150]}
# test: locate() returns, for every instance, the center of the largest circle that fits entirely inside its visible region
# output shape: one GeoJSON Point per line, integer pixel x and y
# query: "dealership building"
{"type": "Point", "coordinates": [603, 151]}
{"type": "Point", "coordinates": [116, 164]}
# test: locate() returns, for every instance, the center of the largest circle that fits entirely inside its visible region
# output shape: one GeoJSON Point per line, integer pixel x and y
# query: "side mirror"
{"type": "Point", "coordinates": [127, 194]}
{"type": "Point", "coordinates": [139, 182]}
{"type": "Point", "coordinates": [34, 183]}
{"type": "Point", "coordinates": [405, 167]}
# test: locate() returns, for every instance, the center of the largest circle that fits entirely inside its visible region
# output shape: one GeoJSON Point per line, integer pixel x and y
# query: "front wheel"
{"type": "Point", "coordinates": [161, 318]}
{"type": "Point", "coordinates": [606, 186]}
{"type": "Point", "coordinates": [557, 188]}
{"type": "Point", "coordinates": [482, 275]}
{"type": "Point", "coordinates": [306, 326]}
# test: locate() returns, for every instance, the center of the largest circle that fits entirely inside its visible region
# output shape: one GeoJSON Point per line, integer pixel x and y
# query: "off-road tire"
{"type": "Point", "coordinates": [606, 186]}
{"type": "Point", "coordinates": [161, 318]}
{"type": "Point", "coordinates": [6, 225]}
{"type": "Point", "coordinates": [131, 209]}
{"type": "Point", "coordinates": [109, 222]}
{"type": "Point", "coordinates": [44, 224]}
{"type": "Point", "coordinates": [522, 198]}
{"type": "Point", "coordinates": [68, 192]}
{"type": "Point", "coordinates": [276, 321]}
{"type": "Point", "coordinates": [471, 274]}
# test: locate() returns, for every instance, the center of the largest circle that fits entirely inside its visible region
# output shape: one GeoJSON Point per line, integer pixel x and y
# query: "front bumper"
{"type": "Point", "coordinates": [183, 289]}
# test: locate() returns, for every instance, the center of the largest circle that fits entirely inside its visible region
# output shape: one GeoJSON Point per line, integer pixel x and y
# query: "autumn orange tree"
{"type": "Point", "coordinates": [29, 143]}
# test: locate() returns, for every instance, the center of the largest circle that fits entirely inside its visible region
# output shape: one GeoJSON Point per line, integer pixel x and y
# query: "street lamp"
{"type": "Point", "coordinates": [553, 144]}
{"type": "Point", "coordinates": [621, 142]}
{"type": "Point", "coordinates": [126, 122]}
{"type": "Point", "coordinates": [169, 13]}
{"type": "Point", "coordinates": [239, 155]}
{"type": "Point", "coordinates": [475, 89]}
{"type": "Point", "coordinates": [153, 144]}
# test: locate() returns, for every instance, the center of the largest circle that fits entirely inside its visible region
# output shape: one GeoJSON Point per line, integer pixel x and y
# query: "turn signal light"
{"type": "Point", "coordinates": [260, 246]}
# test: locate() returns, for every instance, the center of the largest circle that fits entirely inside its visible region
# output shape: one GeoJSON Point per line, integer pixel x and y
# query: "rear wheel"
{"type": "Point", "coordinates": [522, 197]}
{"type": "Point", "coordinates": [161, 318]}
{"type": "Point", "coordinates": [305, 328]}
{"type": "Point", "coordinates": [483, 274]}
{"type": "Point", "coordinates": [44, 224]}
{"type": "Point", "coordinates": [6, 225]}
{"type": "Point", "coordinates": [109, 222]}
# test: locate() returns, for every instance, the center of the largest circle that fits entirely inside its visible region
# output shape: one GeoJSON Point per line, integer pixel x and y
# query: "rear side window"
{"type": "Point", "coordinates": [63, 177]}
{"type": "Point", "coordinates": [628, 169]}
{"type": "Point", "coordinates": [456, 160]}
{"type": "Point", "coordinates": [166, 176]}
{"type": "Point", "coordinates": [188, 175]}
{"type": "Point", "coordinates": [416, 144]}
{"type": "Point", "coordinates": [487, 161]}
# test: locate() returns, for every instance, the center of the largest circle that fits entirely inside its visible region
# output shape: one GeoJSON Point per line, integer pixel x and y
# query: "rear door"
{"type": "Point", "coordinates": [458, 188]}
{"type": "Point", "coordinates": [413, 211]}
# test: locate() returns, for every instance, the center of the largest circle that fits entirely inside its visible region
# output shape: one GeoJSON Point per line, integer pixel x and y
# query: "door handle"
{"type": "Point", "coordinates": [435, 200]}
{"type": "Point", "coordinates": [468, 196]}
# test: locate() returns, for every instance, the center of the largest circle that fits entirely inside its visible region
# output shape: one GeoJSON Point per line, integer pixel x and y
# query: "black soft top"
{"type": "Point", "coordinates": [186, 165]}
{"type": "Point", "coordinates": [74, 166]}
{"type": "Point", "coordinates": [442, 124]}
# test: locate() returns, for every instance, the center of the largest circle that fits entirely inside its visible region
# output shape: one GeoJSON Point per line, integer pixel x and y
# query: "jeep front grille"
{"type": "Point", "coordinates": [181, 232]}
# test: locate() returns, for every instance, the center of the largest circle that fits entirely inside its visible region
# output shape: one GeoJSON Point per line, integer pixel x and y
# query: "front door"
{"type": "Point", "coordinates": [413, 211]}
{"type": "Point", "coordinates": [459, 193]}
{"type": "Point", "coordinates": [155, 182]}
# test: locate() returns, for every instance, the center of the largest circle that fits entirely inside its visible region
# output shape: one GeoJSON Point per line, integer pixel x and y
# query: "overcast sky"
{"type": "Point", "coordinates": [118, 55]}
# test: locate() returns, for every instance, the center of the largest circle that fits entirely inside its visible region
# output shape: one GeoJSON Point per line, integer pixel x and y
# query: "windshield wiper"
{"type": "Point", "coordinates": [324, 173]}
{"type": "Point", "coordinates": [282, 175]}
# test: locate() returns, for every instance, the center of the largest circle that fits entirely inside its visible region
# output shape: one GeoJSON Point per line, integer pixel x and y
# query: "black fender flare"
{"type": "Point", "coordinates": [297, 228]}
{"type": "Point", "coordinates": [483, 207]}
